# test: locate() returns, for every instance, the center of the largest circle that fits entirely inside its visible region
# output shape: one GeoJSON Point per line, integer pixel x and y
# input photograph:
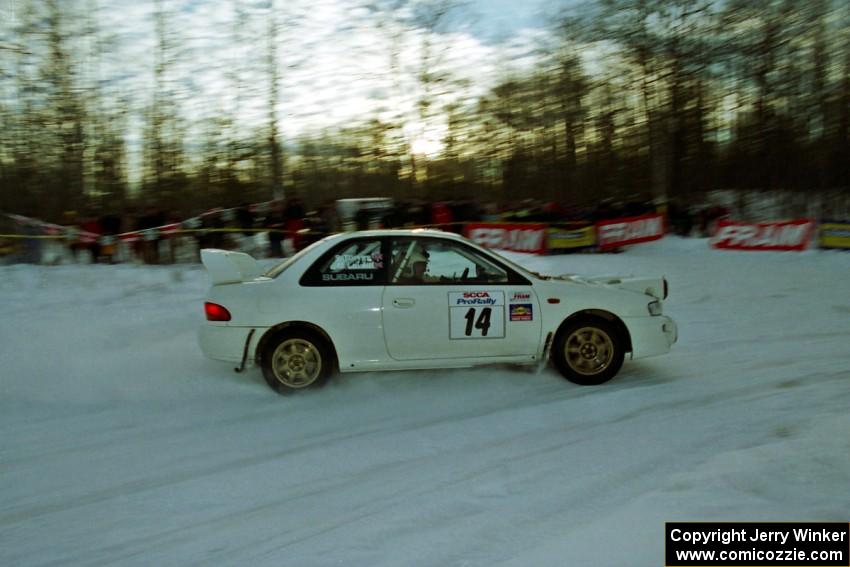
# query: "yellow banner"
{"type": "Point", "coordinates": [835, 235]}
{"type": "Point", "coordinates": [563, 238]}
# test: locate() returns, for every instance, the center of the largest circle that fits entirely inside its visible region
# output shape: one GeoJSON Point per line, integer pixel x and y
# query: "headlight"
{"type": "Point", "coordinates": [654, 308]}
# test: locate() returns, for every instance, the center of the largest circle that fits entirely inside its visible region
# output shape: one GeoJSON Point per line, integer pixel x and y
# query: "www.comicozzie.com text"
{"type": "Point", "coordinates": [743, 534]}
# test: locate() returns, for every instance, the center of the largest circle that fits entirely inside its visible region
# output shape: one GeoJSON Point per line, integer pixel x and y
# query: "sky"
{"type": "Point", "coordinates": [330, 59]}
{"type": "Point", "coordinates": [333, 61]}
{"type": "Point", "coordinates": [500, 18]}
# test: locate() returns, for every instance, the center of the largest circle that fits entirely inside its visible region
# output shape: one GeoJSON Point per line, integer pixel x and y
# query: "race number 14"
{"type": "Point", "coordinates": [477, 315]}
{"type": "Point", "coordinates": [482, 324]}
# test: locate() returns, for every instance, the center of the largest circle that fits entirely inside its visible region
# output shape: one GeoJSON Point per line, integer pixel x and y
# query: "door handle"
{"type": "Point", "coordinates": [403, 302]}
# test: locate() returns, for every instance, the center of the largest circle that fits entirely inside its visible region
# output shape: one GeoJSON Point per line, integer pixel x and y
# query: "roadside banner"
{"type": "Point", "coordinates": [570, 238]}
{"type": "Point", "coordinates": [629, 230]}
{"type": "Point", "coordinates": [834, 235]}
{"type": "Point", "coordinates": [514, 237]}
{"type": "Point", "coordinates": [793, 235]}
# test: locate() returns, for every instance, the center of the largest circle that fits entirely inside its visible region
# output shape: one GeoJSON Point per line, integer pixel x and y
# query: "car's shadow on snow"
{"type": "Point", "coordinates": [224, 375]}
{"type": "Point", "coordinates": [497, 379]}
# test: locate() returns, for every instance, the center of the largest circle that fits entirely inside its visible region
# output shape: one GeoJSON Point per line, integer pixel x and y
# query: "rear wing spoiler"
{"type": "Point", "coordinates": [228, 267]}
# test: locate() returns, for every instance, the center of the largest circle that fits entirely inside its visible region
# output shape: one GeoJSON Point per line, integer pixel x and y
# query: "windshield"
{"type": "Point", "coordinates": [524, 271]}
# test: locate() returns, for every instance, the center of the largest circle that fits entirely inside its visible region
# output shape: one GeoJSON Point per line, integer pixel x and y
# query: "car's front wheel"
{"type": "Point", "coordinates": [588, 351]}
{"type": "Point", "coordinates": [295, 360]}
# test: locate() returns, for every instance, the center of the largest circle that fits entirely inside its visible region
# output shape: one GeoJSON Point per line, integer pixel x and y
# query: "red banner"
{"type": "Point", "coordinates": [793, 235]}
{"type": "Point", "coordinates": [521, 237]}
{"type": "Point", "coordinates": [630, 230]}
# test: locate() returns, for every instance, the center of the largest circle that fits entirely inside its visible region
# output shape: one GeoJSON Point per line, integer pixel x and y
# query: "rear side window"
{"type": "Point", "coordinates": [281, 267]}
{"type": "Point", "coordinates": [354, 262]}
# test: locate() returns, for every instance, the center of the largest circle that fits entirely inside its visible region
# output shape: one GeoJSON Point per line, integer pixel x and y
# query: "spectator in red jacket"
{"type": "Point", "coordinates": [441, 215]}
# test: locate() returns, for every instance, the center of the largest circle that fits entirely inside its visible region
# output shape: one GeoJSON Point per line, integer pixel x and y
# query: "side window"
{"type": "Point", "coordinates": [418, 261]}
{"type": "Point", "coordinates": [359, 262]}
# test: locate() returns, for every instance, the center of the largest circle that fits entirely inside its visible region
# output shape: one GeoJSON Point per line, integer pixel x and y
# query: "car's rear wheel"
{"type": "Point", "coordinates": [588, 351]}
{"type": "Point", "coordinates": [296, 360]}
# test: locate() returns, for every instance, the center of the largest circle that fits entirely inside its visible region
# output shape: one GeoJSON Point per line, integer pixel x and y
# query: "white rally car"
{"type": "Point", "coordinates": [421, 299]}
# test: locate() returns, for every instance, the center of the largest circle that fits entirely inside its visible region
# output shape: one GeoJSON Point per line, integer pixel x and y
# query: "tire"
{"type": "Point", "coordinates": [588, 351]}
{"type": "Point", "coordinates": [296, 360]}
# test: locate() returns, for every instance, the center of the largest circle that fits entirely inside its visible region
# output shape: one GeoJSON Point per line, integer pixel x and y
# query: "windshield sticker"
{"type": "Point", "coordinates": [358, 262]}
{"type": "Point", "coordinates": [522, 312]}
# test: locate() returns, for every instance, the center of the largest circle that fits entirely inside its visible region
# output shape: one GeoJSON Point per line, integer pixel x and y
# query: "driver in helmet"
{"type": "Point", "coordinates": [414, 270]}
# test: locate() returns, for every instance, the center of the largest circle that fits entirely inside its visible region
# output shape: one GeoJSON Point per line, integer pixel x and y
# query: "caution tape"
{"type": "Point", "coordinates": [191, 225]}
{"type": "Point", "coordinates": [32, 236]}
{"type": "Point", "coordinates": [74, 234]}
{"type": "Point", "coordinates": [148, 233]}
{"type": "Point", "coordinates": [70, 233]}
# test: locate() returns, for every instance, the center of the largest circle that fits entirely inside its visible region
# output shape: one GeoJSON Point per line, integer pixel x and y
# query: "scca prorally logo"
{"type": "Point", "coordinates": [469, 294]}
{"type": "Point", "coordinates": [474, 298]}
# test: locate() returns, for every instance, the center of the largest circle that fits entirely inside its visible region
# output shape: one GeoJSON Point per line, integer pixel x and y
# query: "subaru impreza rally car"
{"type": "Point", "coordinates": [422, 299]}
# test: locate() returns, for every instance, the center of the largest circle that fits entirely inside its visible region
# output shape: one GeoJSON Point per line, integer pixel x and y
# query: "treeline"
{"type": "Point", "coordinates": [620, 99]}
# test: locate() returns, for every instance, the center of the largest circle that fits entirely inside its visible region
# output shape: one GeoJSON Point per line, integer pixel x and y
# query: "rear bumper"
{"type": "Point", "coordinates": [651, 336]}
{"type": "Point", "coordinates": [224, 343]}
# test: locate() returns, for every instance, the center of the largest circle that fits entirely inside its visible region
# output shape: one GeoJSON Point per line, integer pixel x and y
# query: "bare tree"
{"type": "Point", "coordinates": [165, 161]}
{"type": "Point", "coordinates": [276, 159]}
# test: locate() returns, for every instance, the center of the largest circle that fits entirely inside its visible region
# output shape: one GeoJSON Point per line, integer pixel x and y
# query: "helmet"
{"type": "Point", "coordinates": [418, 255]}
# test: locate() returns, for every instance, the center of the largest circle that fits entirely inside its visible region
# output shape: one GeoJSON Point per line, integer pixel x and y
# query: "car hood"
{"type": "Point", "coordinates": [654, 286]}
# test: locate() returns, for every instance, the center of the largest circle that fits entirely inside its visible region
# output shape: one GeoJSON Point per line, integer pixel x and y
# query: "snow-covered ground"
{"type": "Point", "coordinates": [120, 444]}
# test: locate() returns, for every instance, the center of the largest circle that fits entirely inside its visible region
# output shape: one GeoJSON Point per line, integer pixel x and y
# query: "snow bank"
{"type": "Point", "coordinates": [121, 444]}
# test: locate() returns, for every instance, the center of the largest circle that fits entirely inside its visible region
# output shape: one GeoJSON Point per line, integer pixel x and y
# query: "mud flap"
{"type": "Point", "coordinates": [241, 366]}
{"type": "Point", "coordinates": [547, 347]}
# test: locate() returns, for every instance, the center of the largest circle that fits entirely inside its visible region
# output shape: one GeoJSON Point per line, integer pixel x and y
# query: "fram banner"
{"type": "Point", "coordinates": [793, 235]}
{"type": "Point", "coordinates": [523, 237]}
{"type": "Point", "coordinates": [630, 230]}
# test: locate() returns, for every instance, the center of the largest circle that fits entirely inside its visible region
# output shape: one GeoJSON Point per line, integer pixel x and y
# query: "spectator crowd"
{"type": "Point", "coordinates": [280, 228]}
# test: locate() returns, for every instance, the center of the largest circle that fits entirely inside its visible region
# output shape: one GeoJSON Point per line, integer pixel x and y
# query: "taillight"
{"type": "Point", "coordinates": [216, 312]}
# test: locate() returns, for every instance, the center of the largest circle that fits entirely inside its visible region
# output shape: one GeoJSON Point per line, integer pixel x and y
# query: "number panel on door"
{"type": "Point", "coordinates": [476, 314]}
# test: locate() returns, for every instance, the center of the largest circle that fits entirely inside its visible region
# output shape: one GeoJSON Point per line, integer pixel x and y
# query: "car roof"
{"type": "Point", "coordinates": [406, 232]}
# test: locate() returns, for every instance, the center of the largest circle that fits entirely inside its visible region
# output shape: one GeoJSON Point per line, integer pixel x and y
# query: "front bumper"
{"type": "Point", "coordinates": [651, 336]}
{"type": "Point", "coordinates": [221, 342]}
